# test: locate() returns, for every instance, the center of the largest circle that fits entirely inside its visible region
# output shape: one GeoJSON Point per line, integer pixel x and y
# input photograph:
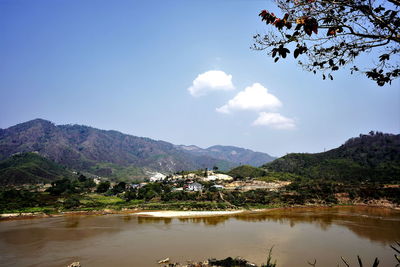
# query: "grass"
{"type": "Point", "coordinates": [97, 201]}
{"type": "Point", "coordinates": [105, 200]}
{"type": "Point", "coordinates": [47, 210]}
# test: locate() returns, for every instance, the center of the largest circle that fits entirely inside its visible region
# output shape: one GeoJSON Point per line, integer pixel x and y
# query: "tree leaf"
{"type": "Point", "coordinates": [296, 52]}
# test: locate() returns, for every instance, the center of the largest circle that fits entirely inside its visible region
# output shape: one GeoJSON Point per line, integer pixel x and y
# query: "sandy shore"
{"type": "Point", "coordinates": [165, 214]}
{"type": "Point", "coordinates": [169, 214]}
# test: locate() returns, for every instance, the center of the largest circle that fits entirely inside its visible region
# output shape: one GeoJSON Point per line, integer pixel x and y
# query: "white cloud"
{"type": "Point", "coordinates": [274, 120]}
{"type": "Point", "coordinates": [254, 97]}
{"type": "Point", "coordinates": [213, 80]}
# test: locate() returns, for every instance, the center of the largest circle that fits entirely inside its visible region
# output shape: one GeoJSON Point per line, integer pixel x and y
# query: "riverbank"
{"type": "Point", "coordinates": [178, 213]}
{"type": "Point", "coordinates": [136, 212]}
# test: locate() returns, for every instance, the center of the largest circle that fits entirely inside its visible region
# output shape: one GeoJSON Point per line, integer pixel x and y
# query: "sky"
{"type": "Point", "coordinates": [179, 71]}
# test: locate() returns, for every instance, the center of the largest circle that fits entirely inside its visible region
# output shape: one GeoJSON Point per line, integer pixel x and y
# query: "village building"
{"type": "Point", "coordinates": [195, 187]}
{"type": "Point", "coordinates": [217, 176]}
{"type": "Point", "coordinates": [157, 177]}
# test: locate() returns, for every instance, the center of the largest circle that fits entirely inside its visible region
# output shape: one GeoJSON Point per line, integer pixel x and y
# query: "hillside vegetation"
{"type": "Point", "coordinates": [110, 153]}
{"type": "Point", "coordinates": [246, 171]}
{"type": "Point", "coordinates": [30, 168]}
{"type": "Point", "coordinates": [373, 157]}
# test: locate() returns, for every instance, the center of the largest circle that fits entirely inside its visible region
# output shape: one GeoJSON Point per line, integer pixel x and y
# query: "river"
{"type": "Point", "coordinates": [297, 235]}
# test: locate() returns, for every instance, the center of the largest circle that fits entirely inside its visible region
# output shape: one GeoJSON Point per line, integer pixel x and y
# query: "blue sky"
{"type": "Point", "coordinates": [127, 66]}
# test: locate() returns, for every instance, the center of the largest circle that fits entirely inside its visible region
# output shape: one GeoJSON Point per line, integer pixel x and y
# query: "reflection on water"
{"type": "Point", "coordinates": [376, 224]}
{"type": "Point", "coordinates": [143, 220]}
{"type": "Point", "coordinates": [208, 221]}
{"type": "Point", "coordinates": [298, 234]}
{"type": "Point", "coordinates": [72, 222]}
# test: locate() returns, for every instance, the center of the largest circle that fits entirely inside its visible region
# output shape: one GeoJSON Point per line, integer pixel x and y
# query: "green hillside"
{"type": "Point", "coordinates": [374, 157]}
{"type": "Point", "coordinates": [30, 168]}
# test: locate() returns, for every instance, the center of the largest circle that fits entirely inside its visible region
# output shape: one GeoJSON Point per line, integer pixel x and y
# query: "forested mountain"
{"type": "Point", "coordinates": [109, 153]}
{"type": "Point", "coordinates": [374, 157]}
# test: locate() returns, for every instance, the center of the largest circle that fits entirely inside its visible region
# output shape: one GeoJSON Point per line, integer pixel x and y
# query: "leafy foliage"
{"type": "Point", "coordinates": [71, 202]}
{"type": "Point", "coordinates": [67, 186]}
{"type": "Point", "coordinates": [13, 199]}
{"type": "Point", "coordinates": [329, 35]}
{"type": "Point", "coordinates": [103, 187]}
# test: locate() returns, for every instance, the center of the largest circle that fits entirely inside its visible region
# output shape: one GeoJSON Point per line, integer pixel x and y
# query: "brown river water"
{"type": "Point", "coordinates": [297, 235]}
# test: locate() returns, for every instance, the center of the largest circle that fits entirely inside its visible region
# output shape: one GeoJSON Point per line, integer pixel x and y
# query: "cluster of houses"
{"type": "Point", "coordinates": [188, 186]}
{"type": "Point", "coordinates": [207, 177]}
{"type": "Point", "coordinates": [190, 182]}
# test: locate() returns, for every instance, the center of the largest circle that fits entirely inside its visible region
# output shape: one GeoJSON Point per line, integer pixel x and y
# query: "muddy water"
{"type": "Point", "coordinates": [298, 235]}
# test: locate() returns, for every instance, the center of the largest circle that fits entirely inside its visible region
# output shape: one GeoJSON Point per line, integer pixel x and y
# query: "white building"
{"type": "Point", "coordinates": [157, 177]}
{"type": "Point", "coordinates": [218, 176]}
{"type": "Point", "coordinates": [195, 187]}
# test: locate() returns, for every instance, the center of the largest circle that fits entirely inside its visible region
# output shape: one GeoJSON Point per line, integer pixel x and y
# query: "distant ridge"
{"type": "Point", "coordinates": [373, 157]}
{"type": "Point", "coordinates": [238, 155]}
{"type": "Point", "coordinates": [111, 153]}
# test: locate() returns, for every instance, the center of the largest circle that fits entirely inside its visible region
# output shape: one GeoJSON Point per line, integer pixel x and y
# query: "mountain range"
{"type": "Point", "coordinates": [114, 154]}
{"type": "Point", "coordinates": [40, 151]}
